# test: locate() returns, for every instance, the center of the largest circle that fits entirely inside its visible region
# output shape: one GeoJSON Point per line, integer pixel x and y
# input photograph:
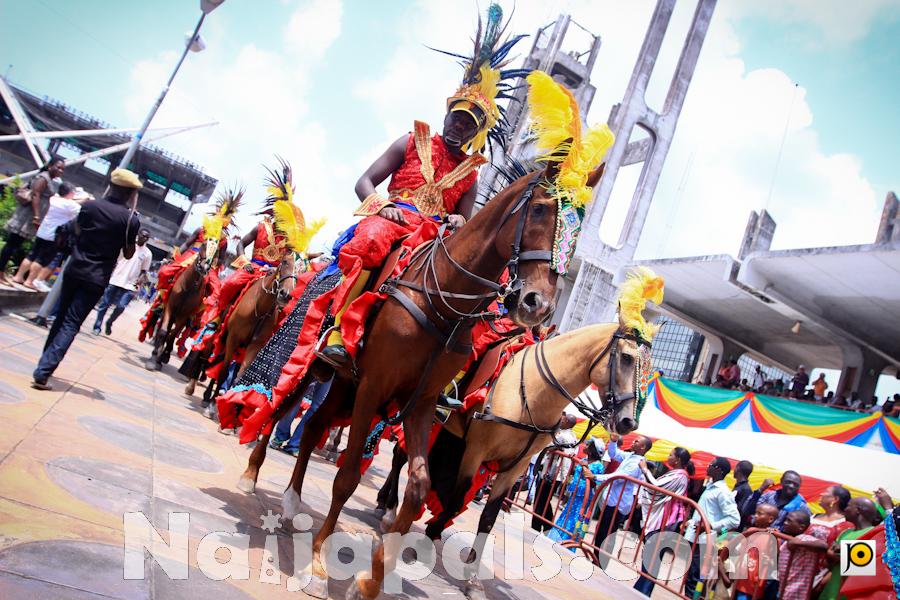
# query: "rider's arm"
{"type": "Point", "coordinates": [378, 171]}
{"type": "Point", "coordinates": [382, 168]}
{"type": "Point", "coordinates": [466, 204]}
{"type": "Point", "coordinates": [249, 238]}
{"type": "Point", "coordinates": [188, 243]}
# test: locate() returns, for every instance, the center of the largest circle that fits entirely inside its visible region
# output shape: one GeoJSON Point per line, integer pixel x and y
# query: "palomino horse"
{"type": "Point", "coordinates": [526, 405]}
{"type": "Point", "coordinates": [514, 230]}
{"type": "Point", "coordinates": [252, 320]}
{"type": "Point", "coordinates": [185, 298]}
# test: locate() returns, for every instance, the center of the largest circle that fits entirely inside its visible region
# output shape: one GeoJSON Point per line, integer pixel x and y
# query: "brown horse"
{"type": "Point", "coordinates": [252, 321]}
{"type": "Point", "coordinates": [182, 304]}
{"type": "Point", "coordinates": [515, 230]}
{"type": "Point", "coordinates": [526, 405]}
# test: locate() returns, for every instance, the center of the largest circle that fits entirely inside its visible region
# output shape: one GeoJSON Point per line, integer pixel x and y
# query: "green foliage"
{"type": "Point", "coordinates": [8, 202]}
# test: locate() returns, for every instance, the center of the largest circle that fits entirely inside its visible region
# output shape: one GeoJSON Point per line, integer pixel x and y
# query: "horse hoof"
{"type": "Point", "coordinates": [474, 590]}
{"type": "Point", "coordinates": [189, 388]}
{"type": "Point", "coordinates": [164, 359]}
{"type": "Point", "coordinates": [247, 485]}
{"type": "Point", "coordinates": [354, 592]}
{"type": "Point", "coordinates": [208, 411]}
{"type": "Point", "coordinates": [152, 365]}
{"type": "Point", "coordinates": [318, 587]}
{"type": "Point", "coordinates": [290, 503]}
{"type": "Point", "coordinates": [387, 521]}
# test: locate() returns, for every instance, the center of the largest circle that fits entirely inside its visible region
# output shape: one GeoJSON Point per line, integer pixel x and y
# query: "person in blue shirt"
{"type": "Point", "coordinates": [617, 498]}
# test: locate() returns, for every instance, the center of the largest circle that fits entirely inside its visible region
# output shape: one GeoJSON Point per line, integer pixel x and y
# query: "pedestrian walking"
{"type": "Point", "coordinates": [123, 285]}
{"type": "Point", "coordinates": [104, 228]}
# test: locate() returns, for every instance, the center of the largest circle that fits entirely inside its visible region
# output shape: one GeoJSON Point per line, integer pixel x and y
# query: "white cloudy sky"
{"type": "Point", "coordinates": [329, 83]}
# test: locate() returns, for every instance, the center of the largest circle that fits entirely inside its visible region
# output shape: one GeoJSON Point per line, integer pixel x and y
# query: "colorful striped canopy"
{"type": "Point", "coordinates": [713, 408]}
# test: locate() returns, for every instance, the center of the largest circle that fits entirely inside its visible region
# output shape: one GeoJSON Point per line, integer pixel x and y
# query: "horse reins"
{"type": "Point", "coordinates": [447, 330]}
{"type": "Point", "coordinates": [582, 402]}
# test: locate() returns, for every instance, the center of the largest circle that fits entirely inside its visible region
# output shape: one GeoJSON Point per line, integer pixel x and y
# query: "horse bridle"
{"type": "Point", "coordinates": [583, 402]}
{"type": "Point", "coordinates": [448, 330]}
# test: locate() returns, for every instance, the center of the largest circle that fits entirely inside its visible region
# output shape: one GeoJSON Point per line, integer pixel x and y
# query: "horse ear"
{"type": "Point", "coordinates": [621, 319]}
{"type": "Point", "coordinates": [552, 168]}
{"type": "Point", "coordinates": [596, 174]}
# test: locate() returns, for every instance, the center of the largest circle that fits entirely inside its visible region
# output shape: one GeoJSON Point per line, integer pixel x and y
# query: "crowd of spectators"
{"type": "Point", "coordinates": [798, 387]}
{"type": "Point", "coordinates": [807, 543]}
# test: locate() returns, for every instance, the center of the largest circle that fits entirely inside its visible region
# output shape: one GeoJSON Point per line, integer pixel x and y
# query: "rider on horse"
{"type": "Point", "coordinates": [184, 256]}
{"type": "Point", "coordinates": [283, 229]}
{"type": "Point", "coordinates": [433, 178]}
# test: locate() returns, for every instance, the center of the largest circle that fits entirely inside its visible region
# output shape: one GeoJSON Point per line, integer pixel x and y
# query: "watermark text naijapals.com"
{"type": "Point", "coordinates": [222, 555]}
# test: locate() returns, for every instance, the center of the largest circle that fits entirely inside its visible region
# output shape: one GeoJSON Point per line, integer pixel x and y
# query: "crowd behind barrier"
{"type": "Point", "coordinates": [605, 519]}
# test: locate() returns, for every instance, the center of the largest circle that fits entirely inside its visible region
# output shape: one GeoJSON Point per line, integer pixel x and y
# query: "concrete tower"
{"type": "Point", "coordinates": [566, 51]}
{"type": "Point", "coordinates": [591, 298]}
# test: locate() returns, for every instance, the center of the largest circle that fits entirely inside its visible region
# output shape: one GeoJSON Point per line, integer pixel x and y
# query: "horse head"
{"type": "Point", "coordinates": [532, 229]}
{"type": "Point", "coordinates": [286, 280]}
{"type": "Point", "coordinates": [206, 256]}
{"type": "Point", "coordinates": [627, 353]}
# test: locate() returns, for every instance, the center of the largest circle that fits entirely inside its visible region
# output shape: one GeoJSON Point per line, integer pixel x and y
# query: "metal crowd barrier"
{"type": "Point", "coordinates": [550, 506]}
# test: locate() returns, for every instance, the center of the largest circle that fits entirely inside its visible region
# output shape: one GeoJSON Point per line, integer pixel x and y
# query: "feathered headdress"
{"type": "Point", "coordinates": [556, 121]}
{"type": "Point", "coordinates": [641, 285]}
{"type": "Point", "coordinates": [288, 218]}
{"type": "Point", "coordinates": [484, 81]}
{"type": "Point", "coordinates": [216, 224]}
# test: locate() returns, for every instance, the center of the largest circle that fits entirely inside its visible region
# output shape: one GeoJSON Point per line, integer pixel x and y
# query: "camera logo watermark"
{"type": "Point", "coordinates": [857, 557]}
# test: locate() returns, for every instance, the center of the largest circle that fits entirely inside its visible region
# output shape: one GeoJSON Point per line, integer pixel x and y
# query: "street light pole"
{"type": "Point", "coordinates": [136, 140]}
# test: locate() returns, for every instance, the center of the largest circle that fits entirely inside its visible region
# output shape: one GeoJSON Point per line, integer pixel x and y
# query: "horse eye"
{"type": "Point", "coordinates": [627, 359]}
{"type": "Point", "coordinates": [538, 210]}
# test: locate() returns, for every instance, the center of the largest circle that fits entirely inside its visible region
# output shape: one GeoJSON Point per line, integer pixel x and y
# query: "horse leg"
{"type": "Point", "coordinates": [313, 432]}
{"type": "Point", "coordinates": [471, 461]}
{"type": "Point", "coordinates": [215, 386]}
{"type": "Point", "coordinates": [369, 396]}
{"type": "Point", "coordinates": [171, 336]}
{"type": "Point", "coordinates": [154, 363]}
{"type": "Point", "coordinates": [416, 429]}
{"type": "Point", "coordinates": [474, 590]}
{"type": "Point", "coordinates": [389, 494]}
{"type": "Point", "coordinates": [247, 482]}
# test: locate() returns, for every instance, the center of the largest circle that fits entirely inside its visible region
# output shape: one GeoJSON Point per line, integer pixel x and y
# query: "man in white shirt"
{"type": "Point", "coordinates": [718, 506]}
{"type": "Point", "coordinates": [123, 283]}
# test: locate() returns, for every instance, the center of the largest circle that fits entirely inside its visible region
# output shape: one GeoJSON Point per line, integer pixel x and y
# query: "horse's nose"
{"type": "Point", "coordinates": [534, 302]}
{"type": "Point", "coordinates": [283, 297]}
{"type": "Point", "coordinates": [626, 426]}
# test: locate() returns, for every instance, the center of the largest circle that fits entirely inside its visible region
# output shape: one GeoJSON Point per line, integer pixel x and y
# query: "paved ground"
{"type": "Point", "coordinates": [112, 438]}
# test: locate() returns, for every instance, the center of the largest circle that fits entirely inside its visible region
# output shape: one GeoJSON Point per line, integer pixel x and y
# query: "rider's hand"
{"type": "Point", "coordinates": [392, 213]}
{"type": "Point", "coordinates": [249, 268]}
{"type": "Point", "coordinates": [456, 221]}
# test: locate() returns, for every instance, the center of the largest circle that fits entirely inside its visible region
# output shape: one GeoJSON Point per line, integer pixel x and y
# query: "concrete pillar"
{"type": "Point", "coordinates": [758, 234]}
{"type": "Point", "coordinates": [850, 371]}
{"type": "Point", "coordinates": [594, 292]}
{"type": "Point", "coordinates": [711, 361]}
{"type": "Point", "coordinates": [873, 365]}
{"type": "Point", "coordinates": [889, 227]}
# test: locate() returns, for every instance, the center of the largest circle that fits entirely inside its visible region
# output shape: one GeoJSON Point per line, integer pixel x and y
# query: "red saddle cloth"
{"type": "Point", "coordinates": [257, 410]}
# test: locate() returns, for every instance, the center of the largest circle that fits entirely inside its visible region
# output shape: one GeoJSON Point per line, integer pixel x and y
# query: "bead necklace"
{"type": "Point", "coordinates": [891, 556]}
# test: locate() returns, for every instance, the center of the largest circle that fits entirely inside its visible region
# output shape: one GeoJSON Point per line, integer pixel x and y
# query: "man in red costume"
{"type": "Point", "coordinates": [432, 179]}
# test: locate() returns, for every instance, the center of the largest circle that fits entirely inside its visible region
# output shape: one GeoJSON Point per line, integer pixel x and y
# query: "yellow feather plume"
{"type": "Point", "coordinates": [556, 122]}
{"type": "Point", "coordinates": [214, 225]}
{"type": "Point", "coordinates": [641, 285]}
